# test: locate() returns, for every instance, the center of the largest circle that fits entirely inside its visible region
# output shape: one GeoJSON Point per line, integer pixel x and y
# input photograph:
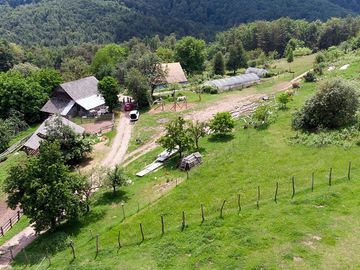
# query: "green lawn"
{"type": "Point", "coordinates": [315, 230]}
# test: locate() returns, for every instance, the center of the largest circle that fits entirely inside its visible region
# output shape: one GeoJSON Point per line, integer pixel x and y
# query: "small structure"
{"type": "Point", "coordinates": [77, 98]}
{"type": "Point", "coordinates": [191, 161]}
{"type": "Point", "coordinates": [258, 71]}
{"type": "Point", "coordinates": [174, 73]}
{"type": "Point", "coordinates": [31, 147]}
{"type": "Point", "coordinates": [235, 82]}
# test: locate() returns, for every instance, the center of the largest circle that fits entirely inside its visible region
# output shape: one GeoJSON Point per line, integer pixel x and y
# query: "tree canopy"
{"type": "Point", "coordinates": [45, 189]}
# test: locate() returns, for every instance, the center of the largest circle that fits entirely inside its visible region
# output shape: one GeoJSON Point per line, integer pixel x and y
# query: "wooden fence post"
{"type": "Point", "coordinates": [11, 253]}
{"type": "Point", "coordinates": [222, 208]}
{"type": "Point", "coordinates": [2, 231]}
{"type": "Point", "coordinates": [162, 225]}
{"type": "Point", "coordinates": [123, 210]}
{"type": "Point", "coordinates": [183, 223]}
{"type": "Point", "coordinates": [276, 191]}
{"type": "Point", "coordinates": [239, 202]}
{"type": "Point", "coordinates": [202, 214]}
{"type": "Point", "coordinates": [312, 181]}
{"type": "Point", "coordinates": [72, 249]}
{"type": "Point", "coordinates": [258, 199]}
{"type": "Point", "coordinates": [119, 239]}
{"type": "Point", "coordinates": [293, 187]}
{"type": "Point", "coordinates": [97, 244]}
{"type": "Point", "coordinates": [18, 215]}
{"type": "Point", "coordinates": [142, 233]}
{"type": "Point", "coordinates": [330, 177]}
{"type": "Point", "coordinates": [10, 221]}
{"type": "Point", "coordinates": [349, 170]}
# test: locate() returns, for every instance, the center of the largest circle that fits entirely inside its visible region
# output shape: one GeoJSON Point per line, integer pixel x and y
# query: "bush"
{"type": "Point", "coordinates": [222, 123]}
{"type": "Point", "coordinates": [210, 89]}
{"type": "Point", "coordinates": [319, 68]}
{"type": "Point", "coordinates": [283, 99]}
{"type": "Point", "coordinates": [310, 77]}
{"type": "Point", "coordinates": [302, 51]}
{"type": "Point", "coordinates": [333, 106]}
{"type": "Point", "coordinates": [263, 115]}
{"type": "Point", "coordinates": [320, 58]}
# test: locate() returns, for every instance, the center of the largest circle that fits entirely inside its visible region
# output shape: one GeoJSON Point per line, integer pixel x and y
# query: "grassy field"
{"type": "Point", "coordinates": [313, 230]}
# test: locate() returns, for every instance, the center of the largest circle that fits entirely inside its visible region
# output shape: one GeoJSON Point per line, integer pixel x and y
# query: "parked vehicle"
{"type": "Point", "coordinates": [134, 115]}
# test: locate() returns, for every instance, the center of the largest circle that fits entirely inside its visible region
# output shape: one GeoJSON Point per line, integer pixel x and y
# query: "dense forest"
{"type": "Point", "coordinates": [63, 22]}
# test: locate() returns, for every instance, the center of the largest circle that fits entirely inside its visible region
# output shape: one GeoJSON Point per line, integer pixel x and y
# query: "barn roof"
{"type": "Point", "coordinates": [175, 73]}
{"type": "Point", "coordinates": [35, 140]}
{"type": "Point", "coordinates": [84, 92]}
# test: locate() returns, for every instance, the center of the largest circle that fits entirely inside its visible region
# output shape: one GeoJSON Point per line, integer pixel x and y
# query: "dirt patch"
{"type": "Point", "coordinates": [297, 259]}
{"type": "Point", "coordinates": [98, 127]}
{"type": "Point", "coordinates": [163, 120]}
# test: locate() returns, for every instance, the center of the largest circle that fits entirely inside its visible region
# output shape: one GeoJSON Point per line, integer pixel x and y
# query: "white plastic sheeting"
{"type": "Point", "coordinates": [240, 81]}
{"type": "Point", "coordinates": [258, 71]}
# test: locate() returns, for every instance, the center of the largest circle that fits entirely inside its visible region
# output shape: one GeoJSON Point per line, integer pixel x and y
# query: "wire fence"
{"type": "Point", "coordinates": [125, 235]}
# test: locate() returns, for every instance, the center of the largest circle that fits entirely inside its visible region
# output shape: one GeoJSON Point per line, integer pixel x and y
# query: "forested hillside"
{"type": "Point", "coordinates": [62, 22]}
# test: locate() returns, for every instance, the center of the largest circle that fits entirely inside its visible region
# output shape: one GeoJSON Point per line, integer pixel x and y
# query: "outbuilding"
{"type": "Point", "coordinates": [191, 161]}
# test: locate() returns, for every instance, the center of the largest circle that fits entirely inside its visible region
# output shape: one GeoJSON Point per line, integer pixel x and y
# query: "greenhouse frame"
{"type": "Point", "coordinates": [240, 81]}
{"type": "Point", "coordinates": [258, 71]}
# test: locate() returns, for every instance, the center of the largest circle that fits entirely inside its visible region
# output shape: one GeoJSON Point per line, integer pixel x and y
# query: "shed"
{"type": "Point", "coordinates": [230, 83]}
{"type": "Point", "coordinates": [258, 71]}
{"type": "Point", "coordinates": [191, 161]}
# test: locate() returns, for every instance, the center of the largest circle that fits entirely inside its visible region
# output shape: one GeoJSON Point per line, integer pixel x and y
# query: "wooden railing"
{"type": "Point", "coordinates": [15, 147]}
{"type": "Point", "coordinates": [10, 223]}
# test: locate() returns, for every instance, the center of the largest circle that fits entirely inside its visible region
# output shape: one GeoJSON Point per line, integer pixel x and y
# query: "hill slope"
{"type": "Point", "coordinates": [51, 22]}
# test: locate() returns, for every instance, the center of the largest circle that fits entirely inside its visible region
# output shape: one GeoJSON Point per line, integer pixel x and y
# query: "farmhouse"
{"type": "Point", "coordinates": [77, 98]}
{"type": "Point", "coordinates": [31, 147]}
{"type": "Point", "coordinates": [240, 81]}
{"type": "Point", "coordinates": [258, 71]}
{"type": "Point", "coordinates": [174, 73]}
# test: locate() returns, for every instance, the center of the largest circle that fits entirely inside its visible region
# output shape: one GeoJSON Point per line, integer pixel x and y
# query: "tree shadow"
{"type": "Point", "coordinates": [221, 138]}
{"type": "Point", "coordinates": [111, 197]}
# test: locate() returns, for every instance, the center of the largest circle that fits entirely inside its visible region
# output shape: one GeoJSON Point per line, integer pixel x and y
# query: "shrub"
{"type": "Point", "coordinates": [208, 89]}
{"type": "Point", "coordinates": [310, 77]}
{"type": "Point", "coordinates": [333, 106]}
{"type": "Point", "coordinates": [320, 58]}
{"type": "Point", "coordinates": [222, 123]}
{"type": "Point", "coordinates": [319, 68]}
{"type": "Point", "coordinates": [302, 51]}
{"type": "Point", "coordinates": [263, 115]}
{"type": "Point", "coordinates": [283, 99]}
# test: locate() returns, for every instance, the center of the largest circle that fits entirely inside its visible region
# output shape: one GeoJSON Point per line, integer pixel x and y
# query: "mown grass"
{"type": "Point", "coordinates": [276, 236]}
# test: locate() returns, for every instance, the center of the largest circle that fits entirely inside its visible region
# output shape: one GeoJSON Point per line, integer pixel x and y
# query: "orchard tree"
{"type": "Point", "coordinates": [109, 88]}
{"type": "Point", "coordinates": [197, 130]}
{"type": "Point", "coordinates": [177, 136]}
{"type": "Point", "coordinates": [116, 178]}
{"type": "Point", "coordinates": [219, 64]}
{"type": "Point", "coordinates": [333, 106]}
{"type": "Point", "coordinates": [190, 52]}
{"type": "Point", "coordinates": [45, 189]}
{"type": "Point", "coordinates": [139, 88]}
{"type": "Point", "coordinates": [222, 123]}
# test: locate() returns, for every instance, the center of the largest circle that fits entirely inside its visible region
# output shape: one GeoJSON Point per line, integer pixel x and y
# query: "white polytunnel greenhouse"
{"type": "Point", "coordinates": [240, 81]}
{"type": "Point", "coordinates": [258, 71]}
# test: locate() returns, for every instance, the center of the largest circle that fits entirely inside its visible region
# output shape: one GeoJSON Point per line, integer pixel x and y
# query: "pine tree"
{"type": "Point", "coordinates": [219, 64]}
{"type": "Point", "coordinates": [290, 55]}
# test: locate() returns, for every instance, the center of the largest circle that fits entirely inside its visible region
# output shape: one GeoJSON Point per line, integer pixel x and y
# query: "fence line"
{"type": "Point", "coordinates": [10, 223]}
{"type": "Point", "coordinates": [137, 239]}
{"type": "Point", "coordinates": [15, 147]}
